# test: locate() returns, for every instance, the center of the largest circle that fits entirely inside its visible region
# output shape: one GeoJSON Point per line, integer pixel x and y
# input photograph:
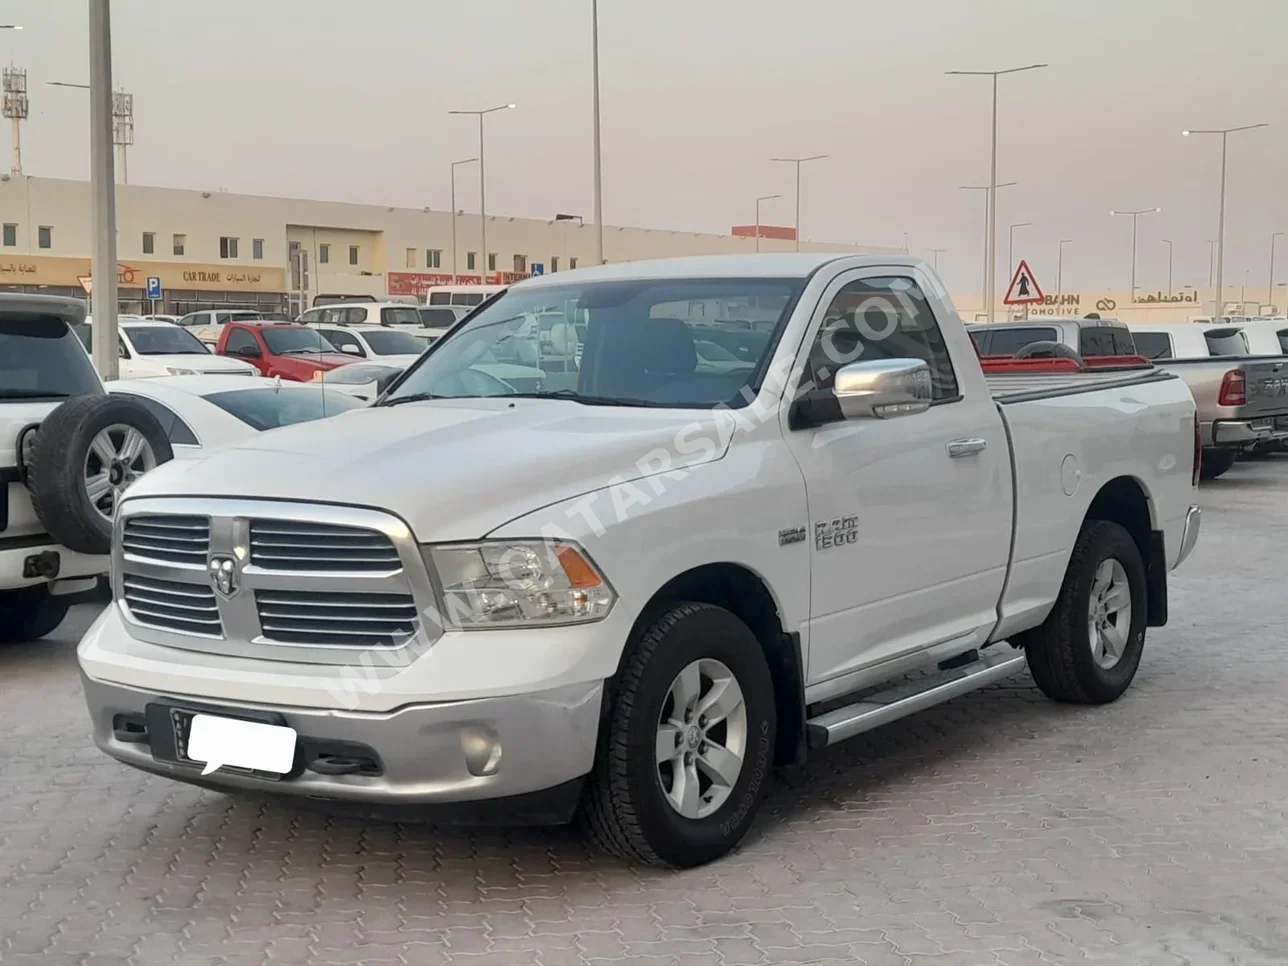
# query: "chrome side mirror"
{"type": "Point", "coordinates": [883, 388]}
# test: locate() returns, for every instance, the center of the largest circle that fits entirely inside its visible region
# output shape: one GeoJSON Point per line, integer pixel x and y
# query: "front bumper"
{"type": "Point", "coordinates": [444, 753]}
{"type": "Point", "coordinates": [1189, 534]}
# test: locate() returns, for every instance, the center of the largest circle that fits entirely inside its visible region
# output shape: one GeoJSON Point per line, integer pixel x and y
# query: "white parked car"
{"type": "Point", "coordinates": [205, 325]}
{"type": "Point", "coordinates": [400, 314]}
{"type": "Point", "coordinates": [381, 344]}
{"type": "Point", "coordinates": [633, 592]}
{"type": "Point", "coordinates": [148, 348]}
{"type": "Point", "coordinates": [198, 413]}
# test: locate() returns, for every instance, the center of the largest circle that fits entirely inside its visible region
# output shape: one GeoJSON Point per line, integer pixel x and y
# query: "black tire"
{"type": "Point", "coordinates": [625, 810]}
{"type": "Point", "coordinates": [1215, 462]}
{"type": "Point", "coordinates": [1059, 652]}
{"type": "Point", "coordinates": [29, 613]}
{"type": "Point", "coordinates": [56, 477]}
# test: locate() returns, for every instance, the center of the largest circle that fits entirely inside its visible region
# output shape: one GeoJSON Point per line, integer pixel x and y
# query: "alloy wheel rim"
{"type": "Point", "coordinates": [1109, 614]}
{"type": "Point", "coordinates": [701, 738]}
{"type": "Point", "coordinates": [118, 455]}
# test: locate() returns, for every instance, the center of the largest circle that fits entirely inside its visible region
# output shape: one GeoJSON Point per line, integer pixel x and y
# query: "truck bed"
{"type": "Point", "coordinates": [1024, 386]}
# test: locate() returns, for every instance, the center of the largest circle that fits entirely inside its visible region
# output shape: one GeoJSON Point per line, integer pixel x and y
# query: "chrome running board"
{"type": "Point", "coordinates": [882, 707]}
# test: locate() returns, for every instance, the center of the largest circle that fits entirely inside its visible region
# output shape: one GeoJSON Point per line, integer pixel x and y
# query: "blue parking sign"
{"type": "Point", "coordinates": [154, 287]}
{"type": "Point", "coordinates": [538, 268]}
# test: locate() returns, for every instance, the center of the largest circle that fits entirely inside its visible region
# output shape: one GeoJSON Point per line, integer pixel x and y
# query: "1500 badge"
{"type": "Point", "coordinates": [836, 533]}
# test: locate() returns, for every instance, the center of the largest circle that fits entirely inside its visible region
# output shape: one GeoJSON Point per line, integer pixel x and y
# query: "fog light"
{"type": "Point", "coordinates": [482, 750]}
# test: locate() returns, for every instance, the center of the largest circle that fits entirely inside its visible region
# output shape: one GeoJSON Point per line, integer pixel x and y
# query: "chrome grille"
{"type": "Point", "coordinates": [177, 539]}
{"type": "Point", "coordinates": [336, 619]}
{"type": "Point", "coordinates": [173, 605]}
{"type": "Point", "coordinates": [314, 547]}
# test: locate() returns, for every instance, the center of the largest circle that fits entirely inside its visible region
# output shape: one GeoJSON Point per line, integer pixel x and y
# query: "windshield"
{"type": "Point", "coordinates": [408, 316]}
{"type": "Point", "coordinates": [394, 343]}
{"type": "Point", "coordinates": [162, 340]}
{"type": "Point", "coordinates": [41, 358]}
{"type": "Point", "coordinates": [269, 408]}
{"type": "Point", "coordinates": [620, 342]}
{"type": "Point", "coordinates": [283, 342]}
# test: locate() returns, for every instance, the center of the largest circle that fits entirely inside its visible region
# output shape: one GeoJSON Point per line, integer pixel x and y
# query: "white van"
{"type": "Point", "coordinates": [461, 294]}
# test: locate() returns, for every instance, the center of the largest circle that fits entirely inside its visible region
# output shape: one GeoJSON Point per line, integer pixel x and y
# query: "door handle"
{"type": "Point", "coordinates": [958, 448]}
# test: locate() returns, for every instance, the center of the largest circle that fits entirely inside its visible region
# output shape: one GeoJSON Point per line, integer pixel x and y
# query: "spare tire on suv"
{"type": "Point", "coordinates": [86, 452]}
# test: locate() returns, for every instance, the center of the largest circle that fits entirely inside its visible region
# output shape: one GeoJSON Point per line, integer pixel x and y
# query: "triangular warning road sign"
{"type": "Point", "coordinates": [1023, 289]}
{"type": "Point", "coordinates": [87, 283]}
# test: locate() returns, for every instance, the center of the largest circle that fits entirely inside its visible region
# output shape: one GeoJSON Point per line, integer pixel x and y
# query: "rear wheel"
{"type": "Point", "coordinates": [689, 742]}
{"type": "Point", "coordinates": [1089, 648]}
{"type": "Point", "coordinates": [29, 613]}
{"type": "Point", "coordinates": [1215, 462]}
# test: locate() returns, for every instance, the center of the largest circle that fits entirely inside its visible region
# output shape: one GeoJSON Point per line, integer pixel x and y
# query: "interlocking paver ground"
{"type": "Point", "coordinates": [998, 829]}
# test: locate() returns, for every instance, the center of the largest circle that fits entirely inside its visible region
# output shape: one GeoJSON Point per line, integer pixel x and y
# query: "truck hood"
{"type": "Point", "coordinates": [197, 363]}
{"type": "Point", "coordinates": [452, 469]}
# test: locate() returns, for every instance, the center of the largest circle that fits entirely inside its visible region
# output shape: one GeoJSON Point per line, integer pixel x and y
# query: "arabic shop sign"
{"type": "Point", "coordinates": [175, 276]}
{"type": "Point", "coordinates": [1080, 303]}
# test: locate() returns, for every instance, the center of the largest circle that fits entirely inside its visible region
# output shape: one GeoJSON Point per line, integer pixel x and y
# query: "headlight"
{"type": "Point", "coordinates": [175, 371]}
{"type": "Point", "coordinates": [519, 583]}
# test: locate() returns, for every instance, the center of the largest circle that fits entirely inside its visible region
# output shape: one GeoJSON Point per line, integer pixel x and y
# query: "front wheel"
{"type": "Point", "coordinates": [1088, 649]}
{"type": "Point", "coordinates": [688, 744]}
{"type": "Point", "coordinates": [29, 613]}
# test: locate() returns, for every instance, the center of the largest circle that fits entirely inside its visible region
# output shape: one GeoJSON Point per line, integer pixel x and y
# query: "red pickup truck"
{"type": "Point", "coordinates": [284, 349]}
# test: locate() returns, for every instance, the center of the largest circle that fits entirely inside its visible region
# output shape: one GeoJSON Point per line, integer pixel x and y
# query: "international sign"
{"type": "Point", "coordinates": [1023, 289]}
{"type": "Point", "coordinates": [87, 283]}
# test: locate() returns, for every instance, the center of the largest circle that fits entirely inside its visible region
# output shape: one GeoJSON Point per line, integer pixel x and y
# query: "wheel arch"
{"type": "Point", "coordinates": [1126, 501]}
{"type": "Point", "coordinates": [747, 595]}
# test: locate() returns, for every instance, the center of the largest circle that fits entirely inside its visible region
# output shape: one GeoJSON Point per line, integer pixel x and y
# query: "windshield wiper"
{"type": "Point", "coordinates": [415, 397]}
{"type": "Point", "coordinates": [32, 394]}
{"type": "Point", "coordinates": [573, 396]}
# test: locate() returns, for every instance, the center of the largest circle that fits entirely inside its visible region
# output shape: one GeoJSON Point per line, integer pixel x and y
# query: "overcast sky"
{"type": "Point", "coordinates": [348, 101]}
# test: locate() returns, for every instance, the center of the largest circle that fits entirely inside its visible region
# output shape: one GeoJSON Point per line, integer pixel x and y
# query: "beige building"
{"type": "Point", "coordinates": [212, 248]}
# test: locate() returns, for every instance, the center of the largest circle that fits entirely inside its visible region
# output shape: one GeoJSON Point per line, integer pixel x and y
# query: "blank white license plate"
{"type": "Point", "coordinates": [242, 744]}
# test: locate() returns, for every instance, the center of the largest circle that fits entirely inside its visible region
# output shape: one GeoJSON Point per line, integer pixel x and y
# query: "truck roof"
{"type": "Point", "coordinates": [775, 265]}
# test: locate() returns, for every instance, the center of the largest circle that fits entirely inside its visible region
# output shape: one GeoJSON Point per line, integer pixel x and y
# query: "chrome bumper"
{"type": "Point", "coordinates": [448, 753]}
{"type": "Point", "coordinates": [1189, 534]}
{"type": "Point", "coordinates": [1235, 432]}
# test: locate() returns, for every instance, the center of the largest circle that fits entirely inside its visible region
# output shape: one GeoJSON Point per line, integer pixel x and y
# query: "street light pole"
{"type": "Point", "coordinates": [936, 252]}
{"type": "Point", "coordinates": [1059, 266]}
{"type": "Point", "coordinates": [103, 191]}
{"type": "Point", "coordinates": [1010, 242]}
{"type": "Point", "coordinates": [1134, 215]}
{"type": "Point", "coordinates": [1270, 290]}
{"type": "Point", "coordinates": [1220, 231]}
{"type": "Point", "coordinates": [992, 177]}
{"type": "Point", "coordinates": [798, 162]}
{"type": "Point", "coordinates": [1169, 266]}
{"type": "Point", "coordinates": [598, 168]}
{"type": "Point", "coordinates": [454, 166]}
{"type": "Point", "coordinates": [758, 201]}
{"type": "Point", "coordinates": [483, 179]}
{"type": "Point", "coordinates": [984, 292]}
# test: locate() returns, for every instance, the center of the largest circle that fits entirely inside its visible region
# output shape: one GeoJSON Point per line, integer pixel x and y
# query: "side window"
{"type": "Point", "coordinates": [222, 317]}
{"type": "Point", "coordinates": [312, 315]}
{"type": "Point", "coordinates": [355, 316]}
{"type": "Point", "coordinates": [178, 432]}
{"type": "Point", "coordinates": [981, 340]}
{"type": "Point", "coordinates": [121, 351]}
{"type": "Point", "coordinates": [881, 318]}
{"type": "Point", "coordinates": [239, 339]}
{"type": "Point", "coordinates": [339, 338]}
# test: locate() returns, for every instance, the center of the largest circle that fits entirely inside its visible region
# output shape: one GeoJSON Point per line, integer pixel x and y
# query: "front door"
{"type": "Point", "coordinates": [910, 516]}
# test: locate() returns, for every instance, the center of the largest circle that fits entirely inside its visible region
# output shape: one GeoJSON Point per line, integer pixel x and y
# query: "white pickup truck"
{"type": "Point", "coordinates": [629, 595]}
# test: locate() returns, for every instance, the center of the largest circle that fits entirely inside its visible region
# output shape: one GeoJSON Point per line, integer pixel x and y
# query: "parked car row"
{"type": "Point", "coordinates": [1236, 369]}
